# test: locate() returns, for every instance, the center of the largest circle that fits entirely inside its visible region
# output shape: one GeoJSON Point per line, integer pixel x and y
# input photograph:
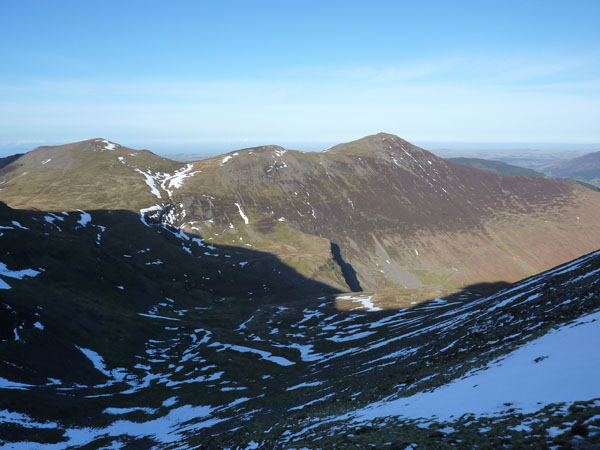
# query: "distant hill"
{"type": "Point", "coordinates": [5, 161]}
{"type": "Point", "coordinates": [498, 167]}
{"type": "Point", "coordinates": [584, 168]}
{"type": "Point", "coordinates": [375, 213]}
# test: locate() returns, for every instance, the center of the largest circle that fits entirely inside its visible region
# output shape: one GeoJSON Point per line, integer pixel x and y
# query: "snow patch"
{"type": "Point", "coordinates": [568, 373]}
{"type": "Point", "coordinates": [150, 182]}
{"type": "Point", "coordinates": [18, 225]}
{"type": "Point", "coordinates": [176, 180]}
{"type": "Point", "coordinates": [303, 385]}
{"type": "Point", "coordinates": [108, 145]}
{"type": "Point", "coordinates": [242, 213]}
{"type": "Point", "coordinates": [96, 360]}
{"type": "Point", "coordinates": [7, 384]}
{"type": "Point", "coordinates": [264, 354]}
{"type": "Point", "coordinates": [120, 411]}
{"type": "Point", "coordinates": [85, 218]}
{"type": "Point", "coordinates": [18, 274]}
{"type": "Point", "coordinates": [364, 300]}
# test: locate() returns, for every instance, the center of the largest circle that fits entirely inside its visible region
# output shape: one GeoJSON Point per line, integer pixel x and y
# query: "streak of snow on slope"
{"type": "Point", "coordinates": [150, 182]}
{"type": "Point", "coordinates": [242, 213]}
{"type": "Point", "coordinates": [568, 372]}
{"type": "Point", "coordinates": [228, 157]}
{"type": "Point", "coordinates": [264, 354]}
{"type": "Point", "coordinates": [155, 316]}
{"type": "Point", "coordinates": [7, 384]}
{"type": "Point", "coordinates": [98, 362]}
{"type": "Point", "coordinates": [303, 385]}
{"type": "Point", "coordinates": [325, 397]}
{"type": "Point", "coordinates": [350, 336]}
{"type": "Point", "coordinates": [18, 225]}
{"type": "Point", "coordinates": [120, 411]}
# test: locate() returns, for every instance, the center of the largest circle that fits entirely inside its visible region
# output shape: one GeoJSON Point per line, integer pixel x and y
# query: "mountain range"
{"type": "Point", "coordinates": [392, 214]}
{"type": "Point", "coordinates": [498, 167]}
{"type": "Point", "coordinates": [585, 168]}
{"type": "Point", "coordinates": [149, 303]}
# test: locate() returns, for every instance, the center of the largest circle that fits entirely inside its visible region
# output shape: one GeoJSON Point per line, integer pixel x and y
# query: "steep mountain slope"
{"type": "Point", "coordinates": [100, 175]}
{"type": "Point", "coordinates": [400, 216]}
{"type": "Point", "coordinates": [499, 167]}
{"type": "Point", "coordinates": [119, 333]}
{"type": "Point", "coordinates": [584, 168]}
{"type": "Point", "coordinates": [370, 214]}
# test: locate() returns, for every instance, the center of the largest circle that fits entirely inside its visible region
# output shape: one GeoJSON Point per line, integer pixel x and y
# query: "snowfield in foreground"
{"type": "Point", "coordinates": [561, 366]}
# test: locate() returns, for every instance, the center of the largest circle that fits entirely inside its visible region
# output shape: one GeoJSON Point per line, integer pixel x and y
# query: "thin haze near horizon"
{"type": "Point", "coordinates": [191, 76]}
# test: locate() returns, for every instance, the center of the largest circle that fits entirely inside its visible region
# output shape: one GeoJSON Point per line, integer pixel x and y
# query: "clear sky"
{"type": "Point", "coordinates": [177, 73]}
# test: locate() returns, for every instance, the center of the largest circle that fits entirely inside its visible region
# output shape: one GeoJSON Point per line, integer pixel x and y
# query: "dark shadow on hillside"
{"type": "Point", "coordinates": [100, 285]}
{"type": "Point", "coordinates": [481, 289]}
{"type": "Point", "coordinates": [221, 270]}
{"type": "Point", "coordinates": [347, 270]}
{"type": "Point", "coordinates": [96, 279]}
{"type": "Point", "coordinates": [156, 258]}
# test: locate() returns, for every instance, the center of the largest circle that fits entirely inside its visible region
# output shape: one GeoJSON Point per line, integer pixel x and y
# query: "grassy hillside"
{"type": "Point", "coordinates": [397, 215]}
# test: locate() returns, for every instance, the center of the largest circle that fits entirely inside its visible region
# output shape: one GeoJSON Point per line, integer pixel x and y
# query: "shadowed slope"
{"type": "Point", "coordinates": [124, 333]}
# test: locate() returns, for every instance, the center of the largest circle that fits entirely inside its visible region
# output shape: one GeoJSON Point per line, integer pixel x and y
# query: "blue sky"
{"type": "Point", "coordinates": [179, 74]}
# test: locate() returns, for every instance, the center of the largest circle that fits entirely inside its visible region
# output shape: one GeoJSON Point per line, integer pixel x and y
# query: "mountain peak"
{"type": "Point", "coordinates": [264, 148]}
{"type": "Point", "coordinates": [88, 144]}
{"type": "Point", "coordinates": [105, 144]}
{"type": "Point", "coordinates": [373, 145]}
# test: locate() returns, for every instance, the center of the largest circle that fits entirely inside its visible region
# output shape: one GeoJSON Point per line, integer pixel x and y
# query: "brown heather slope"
{"type": "Point", "coordinates": [401, 217]}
